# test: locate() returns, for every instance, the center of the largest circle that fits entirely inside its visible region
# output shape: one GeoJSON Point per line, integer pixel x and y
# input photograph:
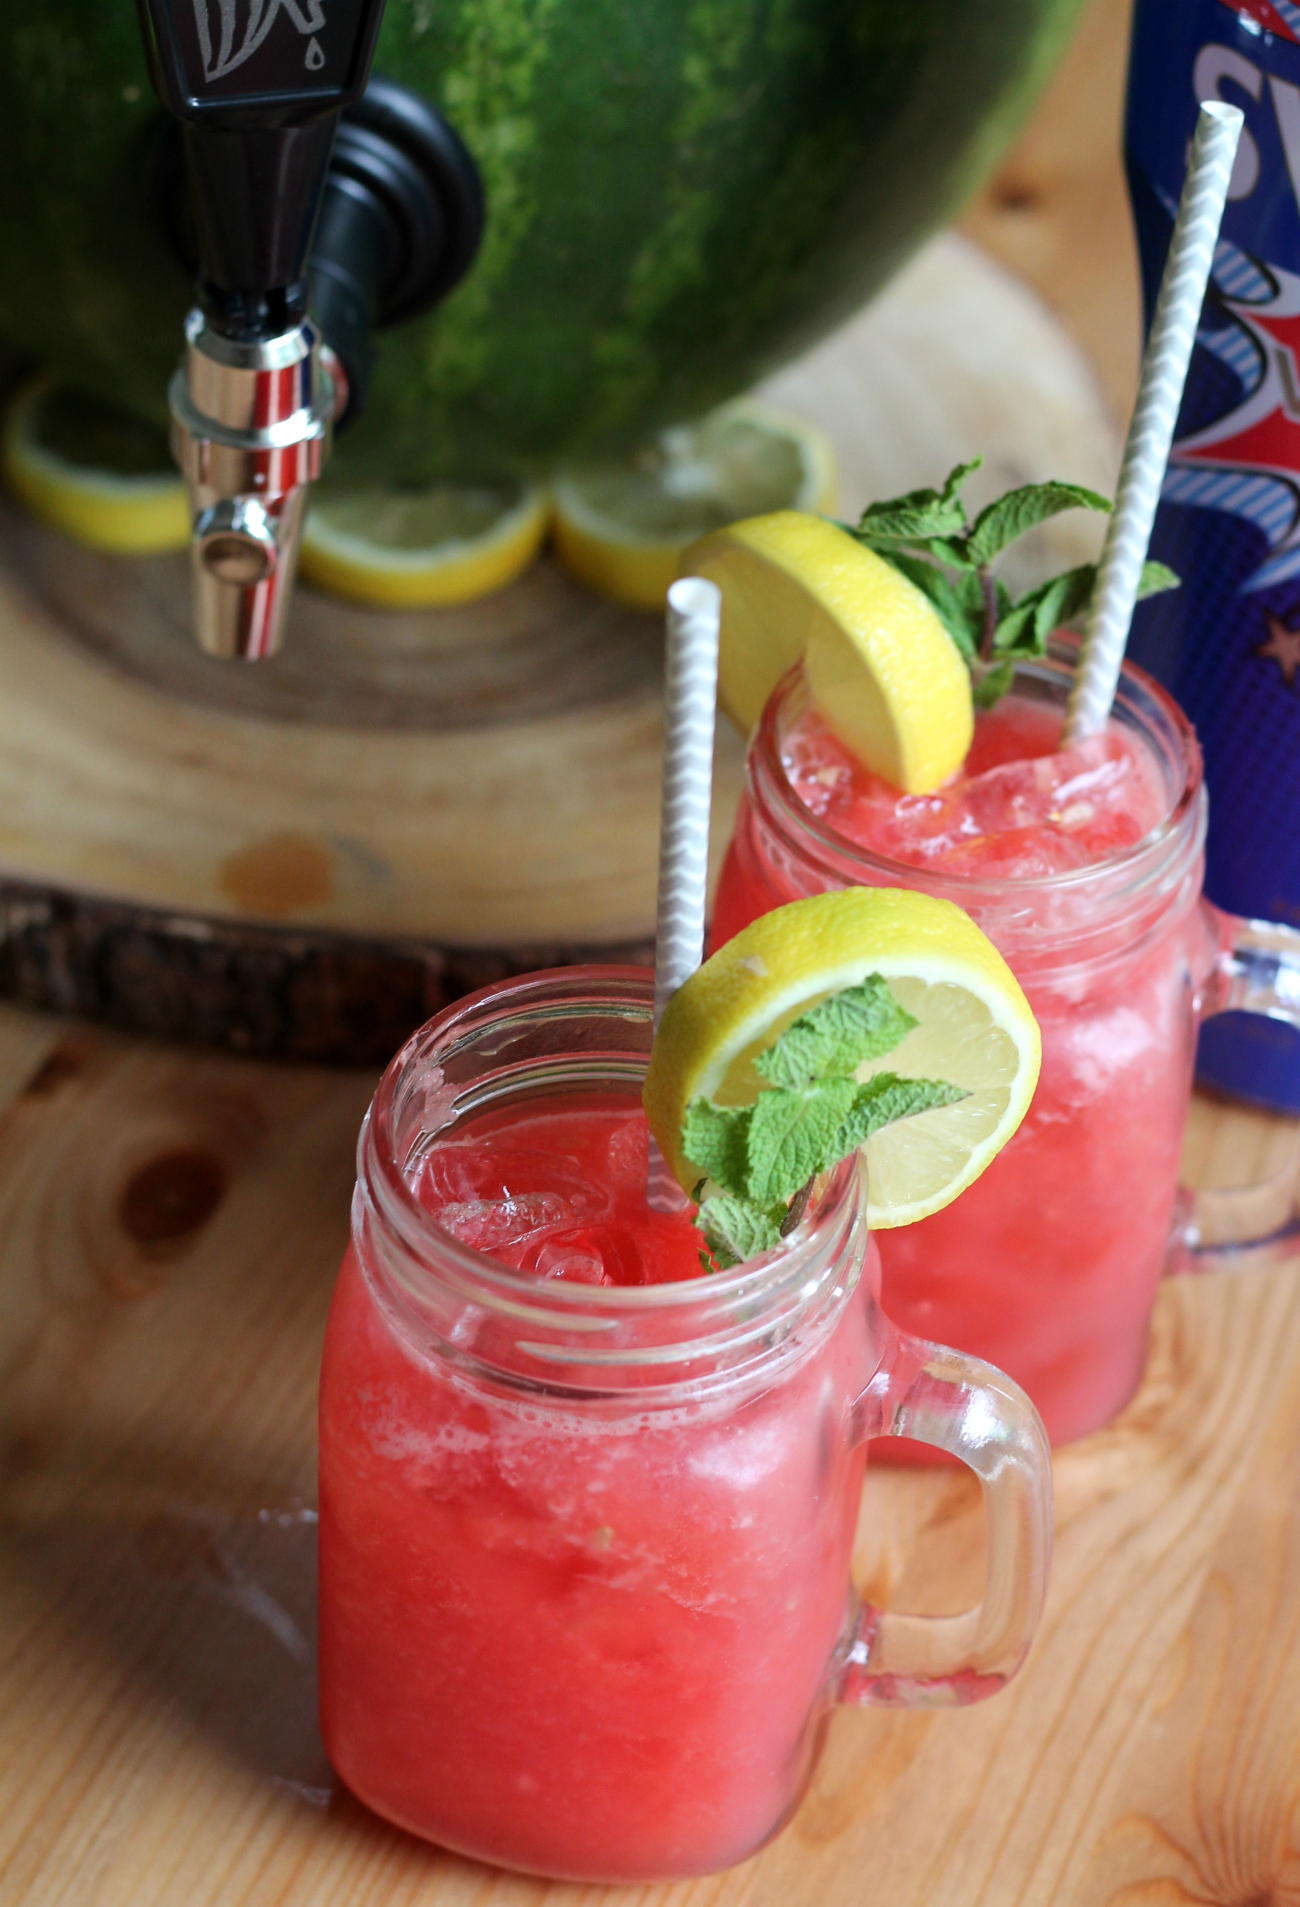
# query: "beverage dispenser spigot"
{"type": "Point", "coordinates": [305, 243]}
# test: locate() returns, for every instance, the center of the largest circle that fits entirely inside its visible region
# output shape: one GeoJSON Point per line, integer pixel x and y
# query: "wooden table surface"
{"type": "Point", "coordinates": [170, 1223]}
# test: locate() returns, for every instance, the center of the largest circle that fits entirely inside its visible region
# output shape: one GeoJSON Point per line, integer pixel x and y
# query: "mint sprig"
{"type": "Point", "coordinates": [736, 1229]}
{"type": "Point", "coordinates": [927, 537]}
{"type": "Point", "coordinates": [834, 1037]}
{"type": "Point", "coordinates": [764, 1158]}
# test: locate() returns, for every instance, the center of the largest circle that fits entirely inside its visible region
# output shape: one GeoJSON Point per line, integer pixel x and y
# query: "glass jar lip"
{"type": "Point", "coordinates": [379, 1171]}
{"type": "Point", "coordinates": [800, 823]}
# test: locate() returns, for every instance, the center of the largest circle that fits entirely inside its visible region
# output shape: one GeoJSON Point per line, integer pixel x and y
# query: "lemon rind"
{"type": "Point", "coordinates": [125, 516]}
{"type": "Point", "coordinates": [854, 620]}
{"type": "Point", "coordinates": [458, 571]}
{"type": "Point", "coordinates": [1020, 1089]}
{"type": "Point", "coordinates": [637, 567]}
{"type": "Point", "coordinates": [984, 976]}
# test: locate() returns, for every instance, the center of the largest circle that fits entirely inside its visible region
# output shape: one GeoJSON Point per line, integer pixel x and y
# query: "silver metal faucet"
{"type": "Point", "coordinates": [252, 426]}
{"type": "Point", "coordinates": [311, 190]}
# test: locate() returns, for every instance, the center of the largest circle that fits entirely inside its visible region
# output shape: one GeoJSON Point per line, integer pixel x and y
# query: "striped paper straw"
{"type": "Point", "coordinates": [1146, 452]}
{"type": "Point", "coordinates": [690, 701]}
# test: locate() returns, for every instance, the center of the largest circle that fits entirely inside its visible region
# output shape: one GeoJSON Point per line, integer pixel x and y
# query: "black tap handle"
{"type": "Point", "coordinates": [400, 223]}
{"type": "Point", "coordinates": [258, 86]}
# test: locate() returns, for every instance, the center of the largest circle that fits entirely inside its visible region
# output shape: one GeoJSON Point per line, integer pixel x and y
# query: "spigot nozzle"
{"type": "Point", "coordinates": [251, 428]}
{"type": "Point", "coordinates": [257, 94]}
{"type": "Point", "coordinates": [235, 542]}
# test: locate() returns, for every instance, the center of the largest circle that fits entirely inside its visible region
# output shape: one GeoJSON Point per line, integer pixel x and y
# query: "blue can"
{"type": "Point", "coordinates": [1227, 644]}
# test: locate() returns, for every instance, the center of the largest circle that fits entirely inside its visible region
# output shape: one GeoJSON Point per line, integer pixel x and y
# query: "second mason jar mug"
{"type": "Point", "coordinates": [1048, 1265]}
{"type": "Point", "coordinates": [584, 1595]}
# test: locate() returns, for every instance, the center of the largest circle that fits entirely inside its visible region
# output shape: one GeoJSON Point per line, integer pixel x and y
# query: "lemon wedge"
{"type": "Point", "coordinates": [975, 1030]}
{"type": "Point", "coordinates": [882, 669]}
{"type": "Point", "coordinates": [621, 527]}
{"type": "Point", "coordinates": [416, 548]}
{"type": "Point", "coordinates": [93, 472]}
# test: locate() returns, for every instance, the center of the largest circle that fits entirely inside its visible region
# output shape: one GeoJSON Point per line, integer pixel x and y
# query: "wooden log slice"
{"type": "Point", "coordinates": [307, 856]}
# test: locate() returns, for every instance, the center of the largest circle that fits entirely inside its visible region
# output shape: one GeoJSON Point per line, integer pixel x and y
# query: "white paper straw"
{"type": "Point", "coordinates": [690, 702]}
{"type": "Point", "coordinates": [1146, 452]}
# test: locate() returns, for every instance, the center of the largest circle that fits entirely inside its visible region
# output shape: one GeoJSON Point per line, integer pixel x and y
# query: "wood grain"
{"type": "Point", "coordinates": [113, 785]}
{"type": "Point", "coordinates": [169, 1229]}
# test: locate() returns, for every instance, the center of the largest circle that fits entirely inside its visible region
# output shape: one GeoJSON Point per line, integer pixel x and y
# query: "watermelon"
{"type": "Point", "coordinates": [680, 193]}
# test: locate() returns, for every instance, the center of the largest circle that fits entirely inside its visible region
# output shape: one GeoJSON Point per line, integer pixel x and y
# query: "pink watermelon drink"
{"type": "Point", "coordinates": [586, 1513]}
{"type": "Point", "coordinates": [1084, 868]}
{"type": "Point", "coordinates": [479, 1552]}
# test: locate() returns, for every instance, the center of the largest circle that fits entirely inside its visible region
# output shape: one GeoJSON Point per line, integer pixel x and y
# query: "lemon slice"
{"type": "Point", "coordinates": [621, 526]}
{"type": "Point", "coordinates": [882, 669]}
{"type": "Point", "coordinates": [975, 1030]}
{"type": "Point", "coordinates": [93, 472]}
{"type": "Point", "coordinates": [415, 548]}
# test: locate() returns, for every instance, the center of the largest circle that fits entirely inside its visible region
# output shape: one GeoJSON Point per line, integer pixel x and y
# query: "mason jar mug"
{"type": "Point", "coordinates": [585, 1602]}
{"type": "Point", "coordinates": [1048, 1265]}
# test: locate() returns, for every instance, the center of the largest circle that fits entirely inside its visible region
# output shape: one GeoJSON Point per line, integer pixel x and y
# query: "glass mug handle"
{"type": "Point", "coordinates": [1257, 970]}
{"type": "Point", "coordinates": [964, 1406]}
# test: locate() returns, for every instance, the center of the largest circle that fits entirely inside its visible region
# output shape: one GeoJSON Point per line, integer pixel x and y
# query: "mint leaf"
{"type": "Point", "coordinates": [834, 1037]}
{"type": "Point", "coordinates": [926, 536]}
{"type": "Point", "coordinates": [1023, 509]}
{"type": "Point", "coordinates": [957, 476]}
{"type": "Point", "coordinates": [1035, 617]}
{"type": "Point", "coordinates": [715, 1139]}
{"type": "Point", "coordinates": [886, 1097]}
{"type": "Point", "coordinates": [736, 1229]}
{"type": "Point", "coordinates": [1155, 578]}
{"type": "Point", "coordinates": [792, 1136]}
{"type": "Point", "coordinates": [990, 685]}
{"type": "Point", "coordinates": [814, 1113]}
{"type": "Point", "coordinates": [921, 516]}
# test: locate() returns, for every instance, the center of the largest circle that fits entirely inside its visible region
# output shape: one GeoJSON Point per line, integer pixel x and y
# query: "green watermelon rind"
{"type": "Point", "coordinates": [681, 194]}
